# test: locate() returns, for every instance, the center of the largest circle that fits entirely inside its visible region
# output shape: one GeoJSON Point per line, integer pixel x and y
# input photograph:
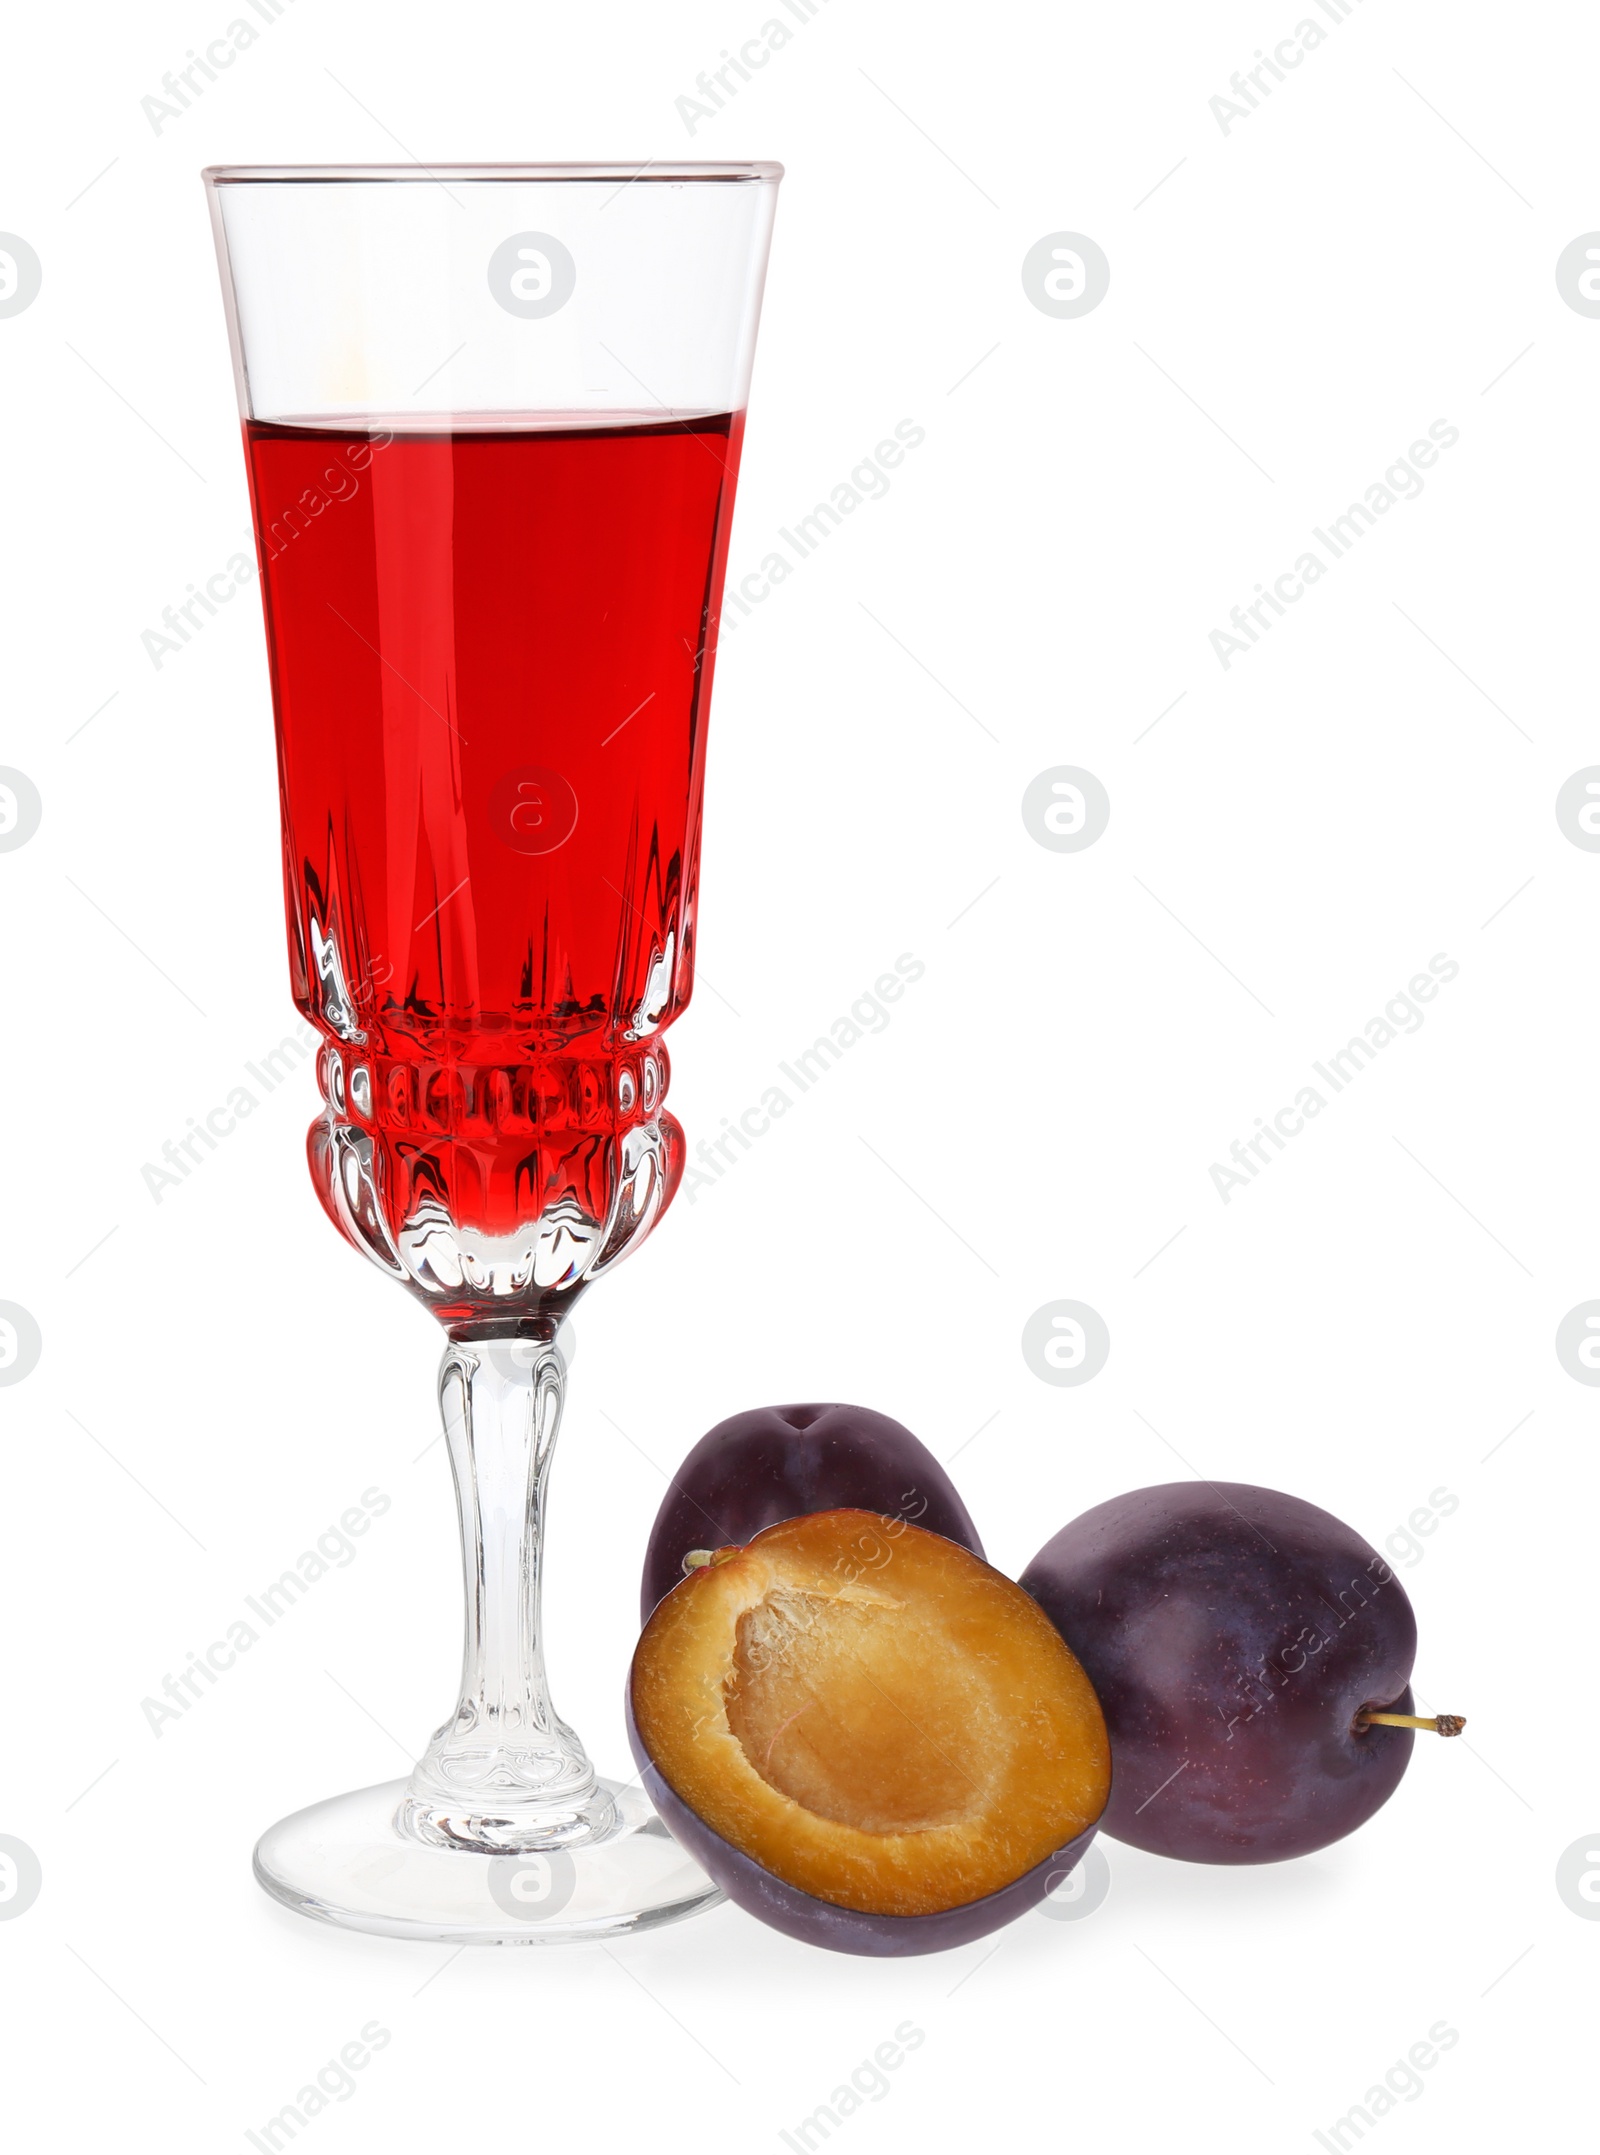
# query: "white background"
{"type": "Point", "coordinates": [1294, 303]}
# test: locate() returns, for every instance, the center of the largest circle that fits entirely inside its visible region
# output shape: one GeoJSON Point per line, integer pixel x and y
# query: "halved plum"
{"type": "Point", "coordinates": [773, 1463]}
{"type": "Point", "coordinates": [869, 1738]}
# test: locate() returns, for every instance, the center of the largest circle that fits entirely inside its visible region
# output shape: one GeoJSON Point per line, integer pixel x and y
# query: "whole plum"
{"type": "Point", "coordinates": [1235, 1636]}
{"type": "Point", "coordinates": [774, 1463]}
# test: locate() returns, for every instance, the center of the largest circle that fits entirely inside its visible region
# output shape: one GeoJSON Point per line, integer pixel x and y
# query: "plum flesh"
{"type": "Point", "coordinates": [775, 1463]}
{"type": "Point", "coordinates": [1234, 1636]}
{"type": "Point", "coordinates": [869, 1738]}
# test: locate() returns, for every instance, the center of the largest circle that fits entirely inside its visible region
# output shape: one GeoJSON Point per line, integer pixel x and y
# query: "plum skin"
{"type": "Point", "coordinates": [782, 1907]}
{"type": "Point", "coordinates": [774, 1463]}
{"type": "Point", "coordinates": [1233, 1635]}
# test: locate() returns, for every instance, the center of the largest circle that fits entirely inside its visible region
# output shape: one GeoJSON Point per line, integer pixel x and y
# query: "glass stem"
{"type": "Point", "coordinates": [504, 1773]}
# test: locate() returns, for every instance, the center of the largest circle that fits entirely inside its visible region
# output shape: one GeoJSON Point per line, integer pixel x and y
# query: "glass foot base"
{"type": "Point", "coordinates": [345, 1861]}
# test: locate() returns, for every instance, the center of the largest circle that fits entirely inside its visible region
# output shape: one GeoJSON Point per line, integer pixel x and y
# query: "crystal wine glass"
{"type": "Point", "coordinates": [492, 420]}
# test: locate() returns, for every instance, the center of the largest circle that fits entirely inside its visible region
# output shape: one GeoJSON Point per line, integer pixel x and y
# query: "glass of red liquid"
{"type": "Point", "coordinates": [492, 419]}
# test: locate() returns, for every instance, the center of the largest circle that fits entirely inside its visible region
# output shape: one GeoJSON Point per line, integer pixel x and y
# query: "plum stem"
{"type": "Point", "coordinates": [1439, 1724]}
{"type": "Point", "coordinates": [698, 1559]}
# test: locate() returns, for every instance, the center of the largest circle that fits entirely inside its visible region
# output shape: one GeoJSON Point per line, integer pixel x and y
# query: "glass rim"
{"type": "Point", "coordinates": [651, 171]}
